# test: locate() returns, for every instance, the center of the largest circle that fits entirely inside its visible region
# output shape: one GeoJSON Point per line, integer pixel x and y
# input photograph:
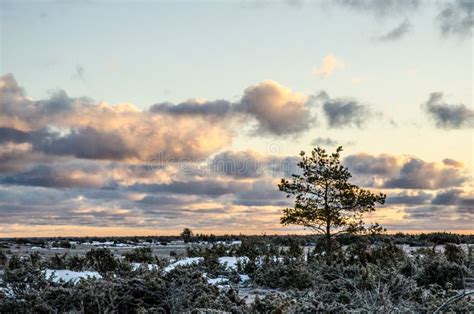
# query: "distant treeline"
{"type": "Point", "coordinates": [423, 239]}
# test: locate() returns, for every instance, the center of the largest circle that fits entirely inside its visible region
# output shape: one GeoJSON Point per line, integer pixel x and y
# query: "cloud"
{"type": "Point", "coordinates": [426, 212]}
{"type": "Point", "coordinates": [249, 164]}
{"type": "Point", "coordinates": [450, 207]}
{"type": "Point", "coordinates": [49, 176]}
{"type": "Point", "coordinates": [89, 143]}
{"type": "Point", "coordinates": [457, 197]}
{"type": "Point", "coordinates": [385, 7]}
{"type": "Point", "coordinates": [15, 157]}
{"type": "Point", "coordinates": [404, 172]}
{"type": "Point", "coordinates": [418, 174]}
{"type": "Point", "coordinates": [343, 113]}
{"type": "Point", "coordinates": [10, 89]}
{"type": "Point", "coordinates": [365, 164]}
{"type": "Point", "coordinates": [453, 163]}
{"type": "Point", "coordinates": [262, 193]}
{"type": "Point", "coordinates": [73, 161]}
{"type": "Point", "coordinates": [396, 33]}
{"type": "Point", "coordinates": [329, 64]}
{"type": "Point", "coordinates": [13, 135]}
{"type": "Point", "coordinates": [456, 18]}
{"type": "Point", "coordinates": [448, 197]}
{"type": "Point", "coordinates": [62, 125]}
{"type": "Point", "coordinates": [245, 164]}
{"type": "Point", "coordinates": [103, 193]}
{"type": "Point", "coordinates": [446, 116]}
{"type": "Point", "coordinates": [277, 109]}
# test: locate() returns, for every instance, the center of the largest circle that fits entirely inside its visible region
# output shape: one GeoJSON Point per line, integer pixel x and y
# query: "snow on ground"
{"type": "Point", "coordinates": [231, 261]}
{"type": "Point", "coordinates": [244, 278]}
{"type": "Point", "coordinates": [136, 266]}
{"type": "Point", "coordinates": [183, 262]}
{"type": "Point", "coordinates": [111, 244]}
{"type": "Point", "coordinates": [57, 275]}
{"type": "Point", "coordinates": [218, 281]}
{"type": "Point", "coordinates": [438, 248]}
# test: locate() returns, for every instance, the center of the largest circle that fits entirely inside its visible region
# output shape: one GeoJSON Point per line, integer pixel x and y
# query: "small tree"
{"type": "Point", "coordinates": [325, 201]}
{"type": "Point", "coordinates": [186, 234]}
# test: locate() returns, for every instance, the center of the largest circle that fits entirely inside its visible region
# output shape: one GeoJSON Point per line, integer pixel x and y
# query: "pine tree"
{"type": "Point", "coordinates": [325, 201]}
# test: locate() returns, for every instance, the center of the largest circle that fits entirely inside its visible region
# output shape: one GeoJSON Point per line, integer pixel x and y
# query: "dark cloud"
{"type": "Point", "coordinates": [455, 197]}
{"type": "Point", "coordinates": [382, 165]}
{"type": "Point", "coordinates": [286, 166]}
{"type": "Point", "coordinates": [343, 113]}
{"type": "Point", "coordinates": [409, 199]}
{"type": "Point", "coordinates": [396, 33]}
{"type": "Point", "coordinates": [248, 164]}
{"type": "Point", "coordinates": [427, 212]}
{"type": "Point", "coordinates": [418, 174]}
{"type": "Point", "coordinates": [160, 200]}
{"type": "Point", "coordinates": [59, 102]}
{"type": "Point", "coordinates": [262, 193]}
{"type": "Point", "coordinates": [456, 216]}
{"type": "Point", "coordinates": [456, 18]}
{"type": "Point", "coordinates": [48, 176]}
{"type": "Point", "coordinates": [238, 164]}
{"type": "Point", "coordinates": [211, 188]}
{"type": "Point", "coordinates": [468, 202]}
{"type": "Point", "coordinates": [448, 197]}
{"type": "Point", "coordinates": [88, 143]}
{"type": "Point", "coordinates": [447, 116]}
{"type": "Point", "coordinates": [14, 135]}
{"type": "Point", "coordinates": [218, 108]}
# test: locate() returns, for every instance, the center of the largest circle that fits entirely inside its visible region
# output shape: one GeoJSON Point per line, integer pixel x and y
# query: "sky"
{"type": "Point", "coordinates": [145, 117]}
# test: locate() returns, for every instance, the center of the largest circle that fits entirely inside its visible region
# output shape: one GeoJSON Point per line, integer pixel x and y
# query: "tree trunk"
{"type": "Point", "coordinates": [328, 241]}
{"type": "Point", "coordinates": [328, 224]}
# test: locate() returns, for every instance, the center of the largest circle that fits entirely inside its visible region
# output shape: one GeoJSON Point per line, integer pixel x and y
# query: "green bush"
{"type": "Point", "coordinates": [140, 255]}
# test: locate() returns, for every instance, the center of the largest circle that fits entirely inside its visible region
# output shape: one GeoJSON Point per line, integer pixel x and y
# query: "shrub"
{"type": "Point", "coordinates": [140, 255]}
{"type": "Point", "coordinates": [102, 260]}
{"type": "Point", "coordinates": [454, 254]}
{"type": "Point", "coordinates": [442, 272]}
